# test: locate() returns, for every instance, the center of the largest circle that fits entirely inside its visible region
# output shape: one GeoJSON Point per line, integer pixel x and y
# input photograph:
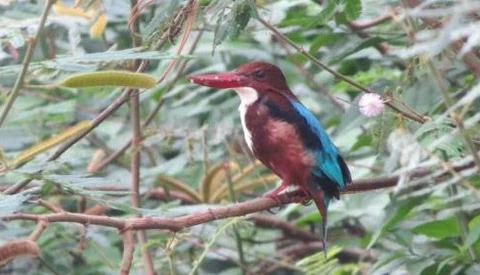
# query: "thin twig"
{"type": "Point", "coordinates": [192, 15]}
{"type": "Point", "coordinates": [135, 175]}
{"type": "Point", "coordinates": [50, 206]}
{"type": "Point", "coordinates": [26, 61]}
{"type": "Point", "coordinates": [368, 23]}
{"type": "Point", "coordinates": [413, 116]}
{"type": "Point", "coordinates": [41, 226]}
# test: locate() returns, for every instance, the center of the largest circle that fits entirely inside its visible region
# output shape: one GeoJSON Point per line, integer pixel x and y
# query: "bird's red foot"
{"type": "Point", "coordinates": [273, 196]}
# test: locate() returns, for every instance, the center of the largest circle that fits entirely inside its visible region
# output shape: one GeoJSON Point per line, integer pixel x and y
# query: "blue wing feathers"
{"type": "Point", "coordinates": [329, 163]}
{"type": "Point", "coordinates": [330, 170]}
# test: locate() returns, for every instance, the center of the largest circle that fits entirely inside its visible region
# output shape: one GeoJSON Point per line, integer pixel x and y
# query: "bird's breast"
{"type": "Point", "coordinates": [277, 143]}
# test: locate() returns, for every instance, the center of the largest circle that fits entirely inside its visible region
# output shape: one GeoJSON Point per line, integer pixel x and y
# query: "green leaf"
{"type": "Point", "coordinates": [474, 232]}
{"type": "Point", "coordinates": [362, 140]}
{"type": "Point", "coordinates": [396, 215]}
{"type": "Point", "coordinates": [439, 229]}
{"type": "Point", "coordinates": [242, 11]}
{"type": "Point", "coordinates": [161, 18]}
{"type": "Point", "coordinates": [322, 40]}
{"type": "Point", "coordinates": [312, 217]}
{"type": "Point", "coordinates": [327, 13]}
{"type": "Point", "coordinates": [416, 267]}
{"type": "Point", "coordinates": [472, 236]}
{"type": "Point", "coordinates": [474, 222]}
{"type": "Point", "coordinates": [343, 10]}
{"type": "Point", "coordinates": [64, 108]}
{"type": "Point", "coordinates": [353, 48]}
{"type": "Point", "coordinates": [231, 23]}
{"type": "Point", "coordinates": [389, 263]}
{"type": "Point", "coordinates": [87, 62]}
{"type": "Point", "coordinates": [353, 9]}
{"type": "Point", "coordinates": [318, 264]}
{"type": "Point", "coordinates": [224, 21]}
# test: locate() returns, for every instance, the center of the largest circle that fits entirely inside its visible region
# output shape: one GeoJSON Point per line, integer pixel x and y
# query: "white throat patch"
{"type": "Point", "coordinates": [247, 97]}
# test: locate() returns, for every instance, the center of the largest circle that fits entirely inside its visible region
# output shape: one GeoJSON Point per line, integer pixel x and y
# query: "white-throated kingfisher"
{"type": "Point", "coordinates": [283, 134]}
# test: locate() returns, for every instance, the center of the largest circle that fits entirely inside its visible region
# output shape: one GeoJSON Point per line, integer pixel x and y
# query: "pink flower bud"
{"type": "Point", "coordinates": [371, 104]}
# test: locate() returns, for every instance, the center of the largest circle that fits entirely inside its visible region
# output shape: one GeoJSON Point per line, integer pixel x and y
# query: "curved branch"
{"type": "Point", "coordinates": [214, 213]}
{"type": "Point", "coordinates": [172, 224]}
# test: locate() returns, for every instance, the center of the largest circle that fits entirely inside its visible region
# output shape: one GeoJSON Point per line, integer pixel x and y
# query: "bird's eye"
{"type": "Point", "coordinates": [260, 74]}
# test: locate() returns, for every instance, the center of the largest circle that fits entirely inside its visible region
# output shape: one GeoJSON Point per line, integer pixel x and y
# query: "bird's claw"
{"type": "Point", "coordinates": [306, 202]}
{"type": "Point", "coordinates": [277, 200]}
{"type": "Point", "coordinates": [274, 197]}
{"type": "Point", "coordinates": [303, 199]}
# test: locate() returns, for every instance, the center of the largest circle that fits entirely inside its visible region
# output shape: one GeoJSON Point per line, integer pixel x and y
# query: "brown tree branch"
{"type": "Point", "coordinates": [172, 224]}
{"type": "Point", "coordinates": [135, 176]}
{"type": "Point", "coordinates": [50, 206]}
{"type": "Point", "coordinates": [238, 209]}
{"type": "Point", "coordinates": [135, 162]}
{"type": "Point", "coordinates": [41, 226]}
{"type": "Point", "coordinates": [358, 27]}
{"type": "Point", "coordinates": [179, 223]}
{"type": "Point", "coordinates": [128, 249]}
{"type": "Point", "coordinates": [368, 23]}
{"type": "Point", "coordinates": [16, 248]}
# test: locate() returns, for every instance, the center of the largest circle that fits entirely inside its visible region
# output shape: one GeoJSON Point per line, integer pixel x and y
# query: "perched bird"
{"type": "Point", "coordinates": [283, 134]}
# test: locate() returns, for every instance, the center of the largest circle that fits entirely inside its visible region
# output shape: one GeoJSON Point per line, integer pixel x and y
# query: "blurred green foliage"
{"type": "Point", "coordinates": [427, 224]}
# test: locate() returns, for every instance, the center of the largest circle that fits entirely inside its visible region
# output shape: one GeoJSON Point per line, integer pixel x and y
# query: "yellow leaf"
{"type": "Point", "coordinates": [246, 171]}
{"type": "Point", "coordinates": [49, 143]}
{"type": "Point", "coordinates": [178, 185]}
{"type": "Point", "coordinates": [98, 27]}
{"type": "Point", "coordinates": [222, 192]}
{"type": "Point", "coordinates": [213, 178]}
{"type": "Point", "coordinates": [64, 10]}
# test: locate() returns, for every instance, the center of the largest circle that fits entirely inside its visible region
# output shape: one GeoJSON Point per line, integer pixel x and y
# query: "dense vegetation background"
{"type": "Point", "coordinates": [78, 165]}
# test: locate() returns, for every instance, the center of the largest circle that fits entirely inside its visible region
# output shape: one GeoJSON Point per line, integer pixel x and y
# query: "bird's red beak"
{"type": "Point", "coordinates": [220, 80]}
